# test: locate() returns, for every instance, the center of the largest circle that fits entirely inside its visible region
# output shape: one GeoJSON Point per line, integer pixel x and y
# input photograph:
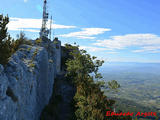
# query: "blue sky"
{"type": "Point", "coordinates": [113, 30]}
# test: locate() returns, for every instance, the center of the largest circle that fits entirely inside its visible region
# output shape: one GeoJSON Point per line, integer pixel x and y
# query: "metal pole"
{"type": "Point", "coordinates": [50, 28]}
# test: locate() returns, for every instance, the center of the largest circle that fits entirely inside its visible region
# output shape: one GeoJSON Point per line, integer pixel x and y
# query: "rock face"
{"type": "Point", "coordinates": [60, 106]}
{"type": "Point", "coordinates": [27, 81]}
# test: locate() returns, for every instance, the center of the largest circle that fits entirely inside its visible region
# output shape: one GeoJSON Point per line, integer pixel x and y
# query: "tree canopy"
{"type": "Point", "coordinates": [89, 101]}
{"type": "Point", "coordinates": [5, 40]}
{"type": "Point", "coordinates": [8, 45]}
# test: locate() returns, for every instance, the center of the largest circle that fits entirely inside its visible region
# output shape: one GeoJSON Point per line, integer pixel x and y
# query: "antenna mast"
{"type": "Point", "coordinates": [44, 31]}
{"type": "Point", "coordinates": [50, 32]}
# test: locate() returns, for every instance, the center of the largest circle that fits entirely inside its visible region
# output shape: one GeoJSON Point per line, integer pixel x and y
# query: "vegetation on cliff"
{"type": "Point", "coordinates": [90, 103]}
{"type": "Point", "coordinates": [7, 44]}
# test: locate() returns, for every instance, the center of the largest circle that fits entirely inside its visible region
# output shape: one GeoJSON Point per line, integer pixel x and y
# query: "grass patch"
{"type": "Point", "coordinates": [38, 41]}
{"type": "Point", "coordinates": [32, 65]}
{"type": "Point", "coordinates": [51, 61]}
{"type": "Point", "coordinates": [28, 49]}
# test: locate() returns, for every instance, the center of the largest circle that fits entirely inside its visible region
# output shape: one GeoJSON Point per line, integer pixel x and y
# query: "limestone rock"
{"type": "Point", "coordinates": [26, 83]}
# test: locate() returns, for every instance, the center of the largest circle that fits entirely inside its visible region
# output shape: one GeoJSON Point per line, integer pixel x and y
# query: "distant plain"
{"type": "Point", "coordinates": [140, 85]}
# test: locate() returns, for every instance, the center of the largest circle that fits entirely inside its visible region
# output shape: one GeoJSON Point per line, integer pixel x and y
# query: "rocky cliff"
{"type": "Point", "coordinates": [26, 83]}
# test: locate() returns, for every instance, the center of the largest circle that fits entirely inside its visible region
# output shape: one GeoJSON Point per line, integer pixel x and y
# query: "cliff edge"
{"type": "Point", "coordinates": [26, 83]}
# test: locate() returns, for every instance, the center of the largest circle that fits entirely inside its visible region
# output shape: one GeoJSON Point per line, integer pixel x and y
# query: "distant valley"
{"type": "Point", "coordinates": [140, 85]}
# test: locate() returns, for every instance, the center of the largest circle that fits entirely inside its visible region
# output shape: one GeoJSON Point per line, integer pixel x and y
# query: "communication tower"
{"type": "Point", "coordinates": [44, 30]}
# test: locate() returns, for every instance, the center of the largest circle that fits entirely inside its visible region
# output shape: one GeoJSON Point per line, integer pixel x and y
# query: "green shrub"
{"type": "Point", "coordinates": [21, 39]}
{"type": "Point", "coordinates": [5, 41]}
{"type": "Point", "coordinates": [57, 47]}
{"type": "Point", "coordinates": [38, 41]}
{"type": "Point", "coordinates": [31, 65]}
{"type": "Point", "coordinates": [89, 101]}
{"type": "Point", "coordinates": [34, 54]}
{"type": "Point", "coordinates": [55, 42]}
{"type": "Point", "coordinates": [16, 77]}
{"type": "Point", "coordinates": [28, 49]}
{"type": "Point", "coordinates": [8, 46]}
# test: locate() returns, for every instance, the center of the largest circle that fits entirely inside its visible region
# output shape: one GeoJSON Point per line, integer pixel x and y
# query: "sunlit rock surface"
{"type": "Point", "coordinates": [26, 82]}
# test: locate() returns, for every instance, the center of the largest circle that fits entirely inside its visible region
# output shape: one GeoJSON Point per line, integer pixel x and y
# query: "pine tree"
{"type": "Point", "coordinates": [8, 45]}
{"type": "Point", "coordinates": [5, 40]}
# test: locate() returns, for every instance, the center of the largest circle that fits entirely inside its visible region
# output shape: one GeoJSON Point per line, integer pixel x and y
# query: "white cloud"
{"type": "Point", "coordinates": [92, 48]}
{"type": "Point", "coordinates": [150, 49]}
{"type": "Point", "coordinates": [86, 33]}
{"type": "Point", "coordinates": [145, 42]}
{"type": "Point", "coordinates": [112, 52]}
{"type": "Point", "coordinates": [25, 0]}
{"type": "Point", "coordinates": [57, 26]}
{"type": "Point", "coordinates": [30, 30]}
{"type": "Point", "coordinates": [31, 25]}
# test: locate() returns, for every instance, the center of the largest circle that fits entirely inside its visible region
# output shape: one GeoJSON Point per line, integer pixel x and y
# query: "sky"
{"type": "Point", "coordinates": [112, 30]}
